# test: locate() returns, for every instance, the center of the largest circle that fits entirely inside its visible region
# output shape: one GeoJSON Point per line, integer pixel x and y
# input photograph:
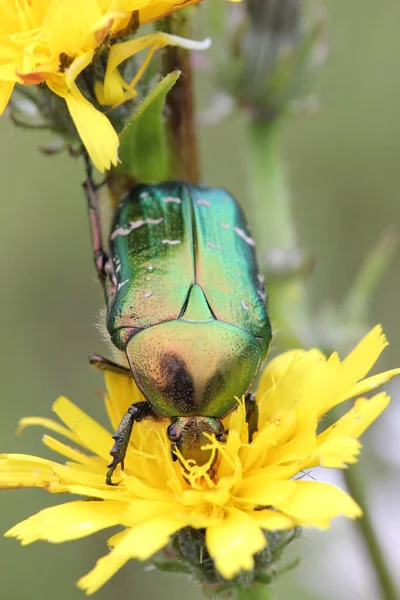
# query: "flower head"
{"type": "Point", "coordinates": [52, 41]}
{"type": "Point", "coordinates": [257, 484]}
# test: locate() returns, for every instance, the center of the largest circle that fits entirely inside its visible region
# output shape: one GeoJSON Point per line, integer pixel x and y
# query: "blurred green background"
{"type": "Point", "coordinates": [344, 173]}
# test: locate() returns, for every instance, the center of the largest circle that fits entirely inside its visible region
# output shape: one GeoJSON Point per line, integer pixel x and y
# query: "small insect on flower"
{"type": "Point", "coordinates": [255, 487]}
{"type": "Point", "coordinates": [53, 41]}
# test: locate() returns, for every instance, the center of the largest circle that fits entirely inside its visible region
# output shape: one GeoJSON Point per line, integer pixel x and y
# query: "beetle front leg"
{"type": "Point", "coordinates": [136, 412]}
{"type": "Point", "coordinates": [251, 414]}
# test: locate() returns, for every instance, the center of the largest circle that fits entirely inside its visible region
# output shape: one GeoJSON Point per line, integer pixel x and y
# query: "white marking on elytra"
{"type": "Point", "coordinates": [242, 234]}
{"type": "Point", "coordinates": [214, 246]}
{"type": "Point", "coordinates": [126, 230]}
{"type": "Point", "coordinates": [172, 200]}
{"type": "Point", "coordinates": [171, 242]}
{"type": "Point", "coordinates": [150, 268]}
{"type": "Point", "coordinates": [148, 294]}
{"type": "Point", "coordinates": [244, 305]}
{"type": "Point", "coordinates": [225, 226]}
{"type": "Point", "coordinates": [239, 275]}
{"type": "Point", "coordinates": [261, 278]}
{"type": "Point", "coordinates": [203, 202]}
{"type": "Point", "coordinates": [117, 270]}
{"type": "Point", "coordinates": [262, 295]}
{"type": "Point", "coordinates": [148, 278]}
{"type": "Point", "coordinates": [120, 285]}
{"type": "Point", "coordinates": [144, 195]}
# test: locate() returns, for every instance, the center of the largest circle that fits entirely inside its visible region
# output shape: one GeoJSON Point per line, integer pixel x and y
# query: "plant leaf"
{"type": "Point", "coordinates": [143, 141]}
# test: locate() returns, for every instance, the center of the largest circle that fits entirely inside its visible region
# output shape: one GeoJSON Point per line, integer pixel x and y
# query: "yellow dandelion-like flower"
{"type": "Point", "coordinates": [53, 41]}
{"type": "Point", "coordinates": [253, 487]}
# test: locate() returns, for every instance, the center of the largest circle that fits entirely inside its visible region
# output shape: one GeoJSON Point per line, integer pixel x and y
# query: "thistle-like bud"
{"type": "Point", "coordinates": [187, 553]}
{"type": "Point", "coordinates": [273, 55]}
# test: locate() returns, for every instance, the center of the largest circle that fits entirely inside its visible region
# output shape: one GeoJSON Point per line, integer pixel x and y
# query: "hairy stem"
{"type": "Point", "coordinates": [180, 103]}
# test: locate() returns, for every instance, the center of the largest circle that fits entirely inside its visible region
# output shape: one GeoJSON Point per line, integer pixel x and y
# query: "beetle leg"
{"type": "Point", "coordinates": [251, 414]}
{"type": "Point", "coordinates": [136, 412]}
{"type": "Point", "coordinates": [103, 364]}
{"type": "Point", "coordinates": [100, 256]}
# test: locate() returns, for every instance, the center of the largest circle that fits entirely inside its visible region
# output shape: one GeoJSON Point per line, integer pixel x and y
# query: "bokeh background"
{"type": "Point", "coordinates": [343, 163]}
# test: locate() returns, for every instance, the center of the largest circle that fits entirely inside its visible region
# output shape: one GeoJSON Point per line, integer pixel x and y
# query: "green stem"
{"type": "Point", "coordinates": [355, 485]}
{"type": "Point", "coordinates": [270, 215]}
{"type": "Point", "coordinates": [257, 592]}
{"type": "Point", "coordinates": [269, 212]}
{"type": "Point", "coordinates": [269, 189]}
{"type": "Point", "coordinates": [180, 103]}
{"type": "Point", "coordinates": [357, 303]}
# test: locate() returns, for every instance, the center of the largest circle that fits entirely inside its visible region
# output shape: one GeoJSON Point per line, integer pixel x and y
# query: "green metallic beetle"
{"type": "Point", "coordinates": [185, 305]}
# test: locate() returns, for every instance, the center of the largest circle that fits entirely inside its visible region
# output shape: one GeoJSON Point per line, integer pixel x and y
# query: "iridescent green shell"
{"type": "Point", "coordinates": [185, 299]}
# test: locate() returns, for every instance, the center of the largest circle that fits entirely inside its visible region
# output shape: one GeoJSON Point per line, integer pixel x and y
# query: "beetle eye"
{"type": "Point", "coordinates": [220, 437]}
{"type": "Point", "coordinates": [172, 433]}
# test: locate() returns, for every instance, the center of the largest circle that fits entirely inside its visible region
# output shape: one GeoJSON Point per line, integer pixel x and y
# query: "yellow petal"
{"type": "Point", "coordinates": [120, 52]}
{"type": "Point", "coordinates": [105, 568]}
{"type": "Point", "coordinates": [91, 435]}
{"type": "Point", "coordinates": [361, 360]}
{"type": "Point", "coordinates": [152, 11]}
{"type": "Point", "coordinates": [264, 490]}
{"type": "Point", "coordinates": [20, 471]}
{"type": "Point", "coordinates": [140, 511]}
{"type": "Point", "coordinates": [77, 66]}
{"type": "Point", "coordinates": [140, 542]}
{"type": "Point", "coordinates": [68, 521]}
{"type": "Point", "coordinates": [272, 520]}
{"type": "Point", "coordinates": [146, 539]}
{"type": "Point", "coordinates": [95, 130]}
{"type": "Point", "coordinates": [337, 453]}
{"type": "Point", "coordinates": [283, 382]}
{"type": "Point", "coordinates": [69, 452]}
{"type": "Point", "coordinates": [114, 94]}
{"type": "Point", "coordinates": [122, 392]}
{"type": "Point", "coordinates": [63, 31]}
{"type": "Point", "coordinates": [371, 383]}
{"type": "Point", "coordinates": [48, 424]}
{"type": "Point", "coordinates": [357, 419]}
{"type": "Point", "coordinates": [355, 366]}
{"type": "Point", "coordinates": [299, 447]}
{"type": "Point", "coordinates": [105, 492]}
{"type": "Point", "coordinates": [279, 366]}
{"type": "Point", "coordinates": [233, 542]}
{"type": "Point", "coordinates": [314, 504]}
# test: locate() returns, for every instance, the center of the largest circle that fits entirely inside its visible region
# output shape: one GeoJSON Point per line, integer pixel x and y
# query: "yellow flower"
{"type": "Point", "coordinates": [257, 485]}
{"type": "Point", "coordinates": [52, 41]}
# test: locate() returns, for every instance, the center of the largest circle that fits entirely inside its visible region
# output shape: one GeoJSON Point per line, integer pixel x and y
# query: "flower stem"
{"type": "Point", "coordinates": [180, 103]}
{"type": "Point", "coordinates": [270, 215]}
{"type": "Point", "coordinates": [355, 485]}
{"type": "Point", "coordinates": [269, 212]}
{"type": "Point", "coordinates": [257, 592]}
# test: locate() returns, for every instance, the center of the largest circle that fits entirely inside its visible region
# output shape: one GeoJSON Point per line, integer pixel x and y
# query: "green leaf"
{"type": "Point", "coordinates": [171, 566]}
{"type": "Point", "coordinates": [143, 141]}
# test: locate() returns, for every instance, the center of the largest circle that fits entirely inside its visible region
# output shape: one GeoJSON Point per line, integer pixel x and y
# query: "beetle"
{"type": "Point", "coordinates": [185, 307]}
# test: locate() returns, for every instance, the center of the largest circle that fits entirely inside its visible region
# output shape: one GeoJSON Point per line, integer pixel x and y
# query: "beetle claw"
{"type": "Point", "coordinates": [110, 474]}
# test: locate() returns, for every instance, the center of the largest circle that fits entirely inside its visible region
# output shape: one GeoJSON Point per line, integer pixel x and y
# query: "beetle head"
{"type": "Point", "coordinates": [190, 434]}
